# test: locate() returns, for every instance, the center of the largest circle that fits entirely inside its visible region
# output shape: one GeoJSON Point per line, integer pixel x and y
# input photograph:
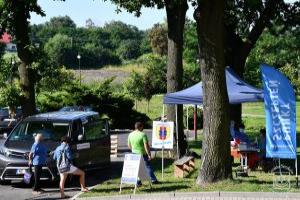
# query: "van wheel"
{"type": "Point", "coordinates": [5, 182]}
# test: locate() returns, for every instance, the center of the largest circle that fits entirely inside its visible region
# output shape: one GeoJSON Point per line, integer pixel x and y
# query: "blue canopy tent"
{"type": "Point", "coordinates": [238, 92]}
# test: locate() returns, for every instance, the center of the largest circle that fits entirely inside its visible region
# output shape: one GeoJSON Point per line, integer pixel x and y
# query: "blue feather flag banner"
{"type": "Point", "coordinates": [280, 108]}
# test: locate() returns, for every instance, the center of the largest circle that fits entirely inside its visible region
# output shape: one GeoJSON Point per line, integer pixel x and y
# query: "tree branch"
{"type": "Point", "coordinates": [260, 24]}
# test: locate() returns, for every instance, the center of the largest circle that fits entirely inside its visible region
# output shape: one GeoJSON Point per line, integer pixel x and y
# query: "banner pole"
{"type": "Point", "coordinates": [280, 170]}
{"type": "Point", "coordinates": [162, 150]}
{"type": "Point", "coordinates": [177, 131]}
{"type": "Point", "coordinates": [162, 161]}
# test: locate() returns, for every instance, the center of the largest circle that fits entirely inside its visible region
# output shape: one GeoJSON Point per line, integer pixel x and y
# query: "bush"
{"type": "Point", "coordinates": [10, 96]}
{"type": "Point", "coordinates": [118, 107]}
{"type": "Point", "coordinates": [129, 49]}
{"type": "Point", "coordinates": [97, 56]}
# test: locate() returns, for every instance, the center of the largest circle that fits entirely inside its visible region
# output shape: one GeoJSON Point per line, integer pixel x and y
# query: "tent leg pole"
{"type": "Point", "coordinates": [163, 113]}
{"type": "Point", "coordinates": [187, 122]}
{"type": "Point", "coordinates": [195, 122]}
{"type": "Point", "coordinates": [177, 131]}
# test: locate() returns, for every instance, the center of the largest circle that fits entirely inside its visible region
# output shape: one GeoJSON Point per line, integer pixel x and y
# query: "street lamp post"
{"type": "Point", "coordinates": [79, 57]}
{"type": "Point", "coordinates": [13, 62]}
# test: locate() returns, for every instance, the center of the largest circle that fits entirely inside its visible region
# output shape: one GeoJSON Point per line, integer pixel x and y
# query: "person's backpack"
{"type": "Point", "coordinates": [63, 163]}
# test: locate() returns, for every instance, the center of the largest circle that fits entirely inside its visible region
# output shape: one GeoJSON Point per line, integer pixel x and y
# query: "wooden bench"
{"type": "Point", "coordinates": [184, 166]}
{"type": "Point", "coordinates": [114, 146]}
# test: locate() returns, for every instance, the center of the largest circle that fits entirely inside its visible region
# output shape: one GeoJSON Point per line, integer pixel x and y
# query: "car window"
{"type": "Point", "coordinates": [50, 130]}
{"type": "Point", "coordinates": [94, 129]}
{"type": "Point", "coordinates": [76, 130]}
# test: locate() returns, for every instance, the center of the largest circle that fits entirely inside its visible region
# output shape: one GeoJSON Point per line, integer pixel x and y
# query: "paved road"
{"type": "Point", "coordinates": [18, 191]}
{"type": "Point", "coordinates": [21, 191]}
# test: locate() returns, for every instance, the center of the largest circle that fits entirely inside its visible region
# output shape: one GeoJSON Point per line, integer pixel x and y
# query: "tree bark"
{"type": "Point", "coordinates": [176, 12]}
{"type": "Point", "coordinates": [216, 162]}
{"type": "Point", "coordinates": [23, 49]}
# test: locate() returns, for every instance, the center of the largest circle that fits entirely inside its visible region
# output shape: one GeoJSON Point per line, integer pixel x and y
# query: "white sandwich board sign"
{"type": "Point", "coordinates": [134, 169]}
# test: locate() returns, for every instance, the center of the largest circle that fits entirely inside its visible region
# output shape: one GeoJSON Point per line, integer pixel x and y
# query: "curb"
{"type": "Point", "coordinates": [210, 195]}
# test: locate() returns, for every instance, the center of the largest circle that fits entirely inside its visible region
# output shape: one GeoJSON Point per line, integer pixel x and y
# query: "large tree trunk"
{"type": "Point", "coordinates": [216, 162]}
{"type": "Point", "coordinates": [25, 55]}
{"type": "Point", "coordinates": [176, 11]}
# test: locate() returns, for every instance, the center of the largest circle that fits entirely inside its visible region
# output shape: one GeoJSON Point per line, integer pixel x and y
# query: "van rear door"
{"type": "Point", "coordinates": [96, 134]}
{"type": "Point", "coordinates": [80, 147]}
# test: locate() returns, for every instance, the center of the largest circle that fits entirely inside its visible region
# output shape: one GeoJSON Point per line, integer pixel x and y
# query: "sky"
{"type": "Point", "coordinates": [99, 11]}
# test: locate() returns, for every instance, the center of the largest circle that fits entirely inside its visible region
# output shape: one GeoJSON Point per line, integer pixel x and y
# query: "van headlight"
{"type": "Point", "coordinates": [4, 151]}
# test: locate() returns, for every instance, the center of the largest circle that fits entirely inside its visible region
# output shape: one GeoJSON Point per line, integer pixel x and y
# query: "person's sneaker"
{"type": "Point", "coordinates": [42, 191]}
{"type": "Point", "coordinates": [155, 182]}
{"type": "Point", "coordinates": [36, 192]}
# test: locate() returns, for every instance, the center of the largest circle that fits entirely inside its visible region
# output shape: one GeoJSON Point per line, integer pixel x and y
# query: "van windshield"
{"type": "Point", "coordinates": [50, 130]}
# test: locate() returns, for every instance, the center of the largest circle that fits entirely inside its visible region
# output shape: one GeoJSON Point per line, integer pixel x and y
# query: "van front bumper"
{"type": "Point", "coordinates": [14, 170]}
{"type": "Point", "coordinates": [17, 173]}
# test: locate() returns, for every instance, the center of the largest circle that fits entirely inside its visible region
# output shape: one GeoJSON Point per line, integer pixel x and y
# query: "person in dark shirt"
{"type": "Point", "coordinates": [37, 159]}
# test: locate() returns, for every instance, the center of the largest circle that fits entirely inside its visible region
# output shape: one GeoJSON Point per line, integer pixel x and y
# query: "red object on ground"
{"type": "Point", "coordinates": [5, 38]}
{"type": "Point", "coordinates": [253, 160]}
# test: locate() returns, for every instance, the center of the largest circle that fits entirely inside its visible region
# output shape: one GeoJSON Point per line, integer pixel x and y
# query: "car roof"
{"type": "Point", "coordinates": [61, 116]}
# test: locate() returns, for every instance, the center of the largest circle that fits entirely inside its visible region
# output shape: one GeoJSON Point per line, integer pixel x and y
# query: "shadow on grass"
{"type": "Point", "coordinates": [255, 181]}
{"type": "Point", "coordinates": [144, 189]}
{"type": "Point", "coordinates": [156, 163]}
{"type": "Point", "coordinates": [168, 188]}
{"type": "Point", "coordinates": [196, 144]}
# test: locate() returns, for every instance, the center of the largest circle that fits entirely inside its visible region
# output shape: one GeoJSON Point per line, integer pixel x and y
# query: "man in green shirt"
{"type": "Point", "coordinates": [138, 144]}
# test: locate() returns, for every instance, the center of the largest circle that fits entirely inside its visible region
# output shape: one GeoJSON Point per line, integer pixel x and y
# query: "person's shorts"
{"type": "Point", "coordinates": [72, 170]}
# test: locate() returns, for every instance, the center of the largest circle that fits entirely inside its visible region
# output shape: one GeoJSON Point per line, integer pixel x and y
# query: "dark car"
{"type": "Point", "coordinates": [90, 142]}
{"type": "Point", "coordinates": [4, 113]}
{"type": "Point", "coordinates": [76, 108]}
{"type": "Point", "coordinates": [7, 124]}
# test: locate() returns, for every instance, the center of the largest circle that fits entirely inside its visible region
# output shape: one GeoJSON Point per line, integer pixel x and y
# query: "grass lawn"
{"type": "Point", "coordinates": [257, 181]}
{"type": "Point", "coordinates": [254, 118]}
{"type": "Point", "coordinates": [253, 113]}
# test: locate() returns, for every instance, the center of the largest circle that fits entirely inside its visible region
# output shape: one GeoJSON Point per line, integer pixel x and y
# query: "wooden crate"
{"type": "Point", "coordinates": [114, 146]}
{"type": "Point", "coordinates": [184, 166]}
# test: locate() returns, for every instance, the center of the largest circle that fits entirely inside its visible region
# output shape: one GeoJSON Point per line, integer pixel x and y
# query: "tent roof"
{"type": "Point", "coordinates": [238, 92]}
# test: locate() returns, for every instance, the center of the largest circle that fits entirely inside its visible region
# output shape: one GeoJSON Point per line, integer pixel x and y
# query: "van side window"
{"type": "Point", "coordinates": [76, 130]}
{"type": "Point", "coordinates": [95, 129]}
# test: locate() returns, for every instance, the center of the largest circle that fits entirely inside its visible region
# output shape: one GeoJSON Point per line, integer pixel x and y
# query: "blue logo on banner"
{"type": "Point", "coordinates": [280, 107]}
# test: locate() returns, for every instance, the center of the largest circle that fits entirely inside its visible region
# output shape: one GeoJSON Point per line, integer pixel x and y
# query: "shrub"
{"type": "Point", "coordinates": [118, 107]}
